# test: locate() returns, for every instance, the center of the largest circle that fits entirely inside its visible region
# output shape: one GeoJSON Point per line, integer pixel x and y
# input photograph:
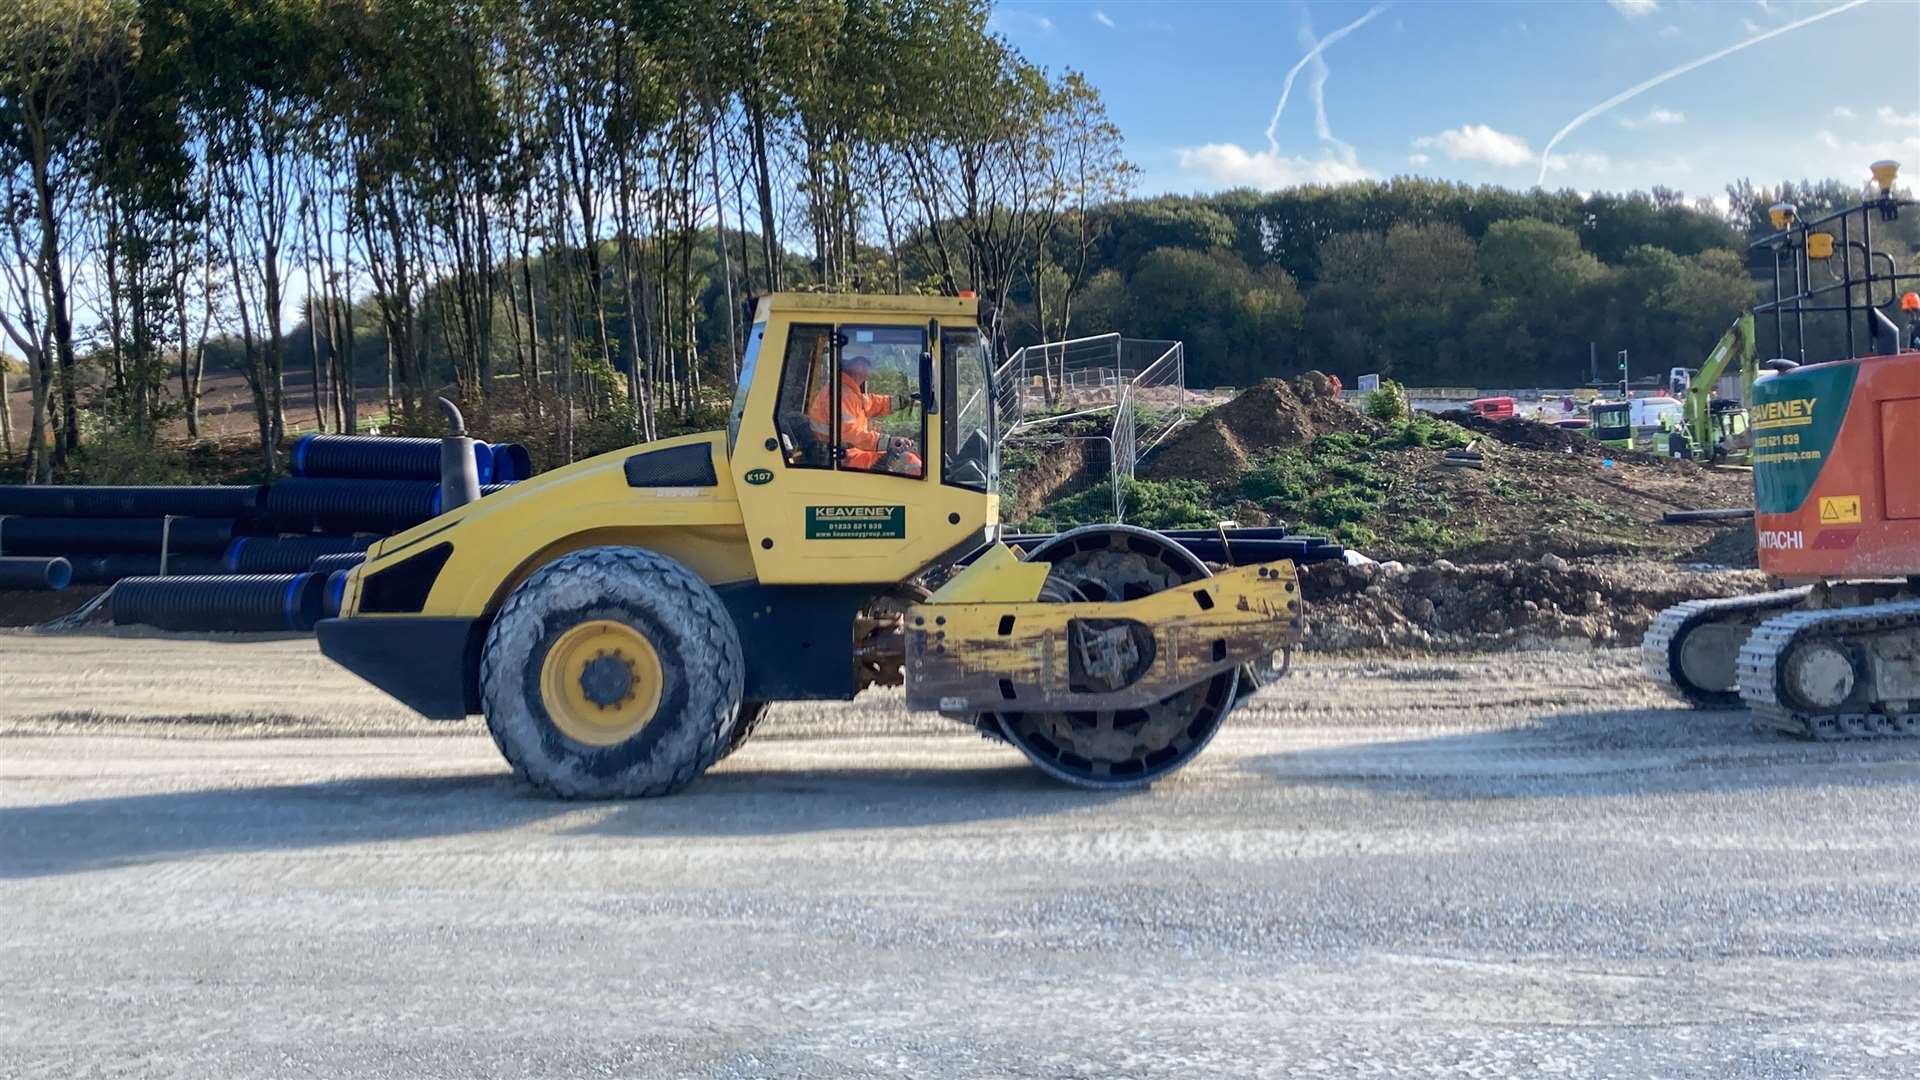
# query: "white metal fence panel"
{"type": "Point", "coordinates": [1141, 383]}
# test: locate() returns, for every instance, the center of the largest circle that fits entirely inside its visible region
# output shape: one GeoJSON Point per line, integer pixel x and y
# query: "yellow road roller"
{"type": "Point", "coordinates": [624, 622]}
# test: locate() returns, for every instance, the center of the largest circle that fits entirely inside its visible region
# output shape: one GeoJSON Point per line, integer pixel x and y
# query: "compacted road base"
{"type": "Point", "coordinates": [229, 860]}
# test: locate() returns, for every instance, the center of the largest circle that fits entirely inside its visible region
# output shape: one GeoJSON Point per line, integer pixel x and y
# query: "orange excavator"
{"type": "Point", "coordinates": [1836, 485]}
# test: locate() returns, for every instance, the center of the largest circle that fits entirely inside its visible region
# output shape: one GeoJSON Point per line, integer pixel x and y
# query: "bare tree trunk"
{"type": "Point", "coordinates": [720, 241]}
{"type": "Point", "coordinates": [763, 193]}
{"type": "Point", "coordinates": [59, 313]}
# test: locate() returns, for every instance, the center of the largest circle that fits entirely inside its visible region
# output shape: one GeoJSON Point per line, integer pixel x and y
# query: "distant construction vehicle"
{"type": "Point", "coordinates": [1836, 501]}
{"type": "Point", "coordinates": [1631, 424]}
{"type": "Point", "coordinates": [1716, 426]}
{"type": "Point", "coordinates": [624, 622]}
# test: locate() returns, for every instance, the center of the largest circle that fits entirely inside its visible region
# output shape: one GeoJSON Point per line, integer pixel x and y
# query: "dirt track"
{"type": "Point", "coordinates": [1520, 865]}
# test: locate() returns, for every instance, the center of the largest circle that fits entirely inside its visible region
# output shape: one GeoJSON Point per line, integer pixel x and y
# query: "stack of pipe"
{"type": "Point", "coordinates": [355, 457]}
{"type": "Point", "coordinates": [249, 557]}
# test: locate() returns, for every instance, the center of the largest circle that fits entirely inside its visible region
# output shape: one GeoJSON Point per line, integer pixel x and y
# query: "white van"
{"type": "Point", "coordinates": [1647, 412]}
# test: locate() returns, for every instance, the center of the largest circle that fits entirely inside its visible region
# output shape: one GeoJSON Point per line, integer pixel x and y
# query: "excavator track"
{"type": "Point", "coordinates": [1768, 673]}
{"type": "Point", "coordinates": [1661, 648]}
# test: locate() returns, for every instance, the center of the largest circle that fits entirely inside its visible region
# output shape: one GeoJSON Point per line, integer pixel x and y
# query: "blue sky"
{"type": "Point", "coordinates": [1474, 91]}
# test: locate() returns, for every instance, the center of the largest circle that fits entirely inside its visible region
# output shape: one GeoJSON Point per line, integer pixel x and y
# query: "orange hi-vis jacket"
{"type": "Point", "coordinates": [858, 409]}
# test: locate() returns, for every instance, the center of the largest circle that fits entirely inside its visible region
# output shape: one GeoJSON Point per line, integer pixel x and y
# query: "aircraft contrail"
{"type": "Point", "coordinates": [1317, 87]}
{"type": "Point", "coordinates": [1642, 87]}
{"type": "Point", "coordinates": [1286, 86]}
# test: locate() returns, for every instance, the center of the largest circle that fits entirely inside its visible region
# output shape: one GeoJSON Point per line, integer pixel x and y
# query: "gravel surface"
{"type": "Point", "coordinates": [230, 860]}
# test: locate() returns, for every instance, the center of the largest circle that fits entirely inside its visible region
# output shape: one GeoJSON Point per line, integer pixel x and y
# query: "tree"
{"type": "Point", "coordinates": [64, 70]}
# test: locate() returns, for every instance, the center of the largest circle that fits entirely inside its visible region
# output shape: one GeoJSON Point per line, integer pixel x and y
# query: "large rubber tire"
{"type": "Point", "coordinates": [751, 714]}
{"type": "Point", "coordinates": [701, 674]}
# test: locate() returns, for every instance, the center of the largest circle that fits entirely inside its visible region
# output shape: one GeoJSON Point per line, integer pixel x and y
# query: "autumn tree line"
{"type": "Point", "coordinates": [558, 202]}
{"type": "Point", "coordinates": [555, 209]}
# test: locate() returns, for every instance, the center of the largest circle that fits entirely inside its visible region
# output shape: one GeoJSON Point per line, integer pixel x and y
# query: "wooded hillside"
{"type": "Point", "coordinates": [557, 208]}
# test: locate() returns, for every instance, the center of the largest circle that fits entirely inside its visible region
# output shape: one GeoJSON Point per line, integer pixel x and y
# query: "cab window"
{"type": "Point", "coordinates": [748, 364]}
{"type": "Point", "coordinates": [881, 428]}
{"type": "Point", "coordinates": [806, 372]}
{"type": "Point", "coordinates": [850, 399]}
{"type": "Point", "coordinates": [967, 440]}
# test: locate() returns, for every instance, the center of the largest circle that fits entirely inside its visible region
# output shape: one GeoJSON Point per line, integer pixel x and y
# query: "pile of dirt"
{"type": "Point", "coordinates": [1523, 504]}
{"type": "Point", "coordinates": [1508, 604]}
{"type": "Point", "coordinates": [1534, 435]}
{"type": "Point", "coordinates": [1058, 469]}
{"type": "Point", "coordinates": [1736, 546]}
{"type": "Point", "coordinates": [1276, 414]}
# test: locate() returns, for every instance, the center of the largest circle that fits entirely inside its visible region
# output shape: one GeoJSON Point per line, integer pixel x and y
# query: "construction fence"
{"type": "Point", "coordinates": [1138, 386]}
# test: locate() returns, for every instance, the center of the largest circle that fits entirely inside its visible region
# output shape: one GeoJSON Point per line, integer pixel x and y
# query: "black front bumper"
{"type": "Point", "coordinates": [429, 664]}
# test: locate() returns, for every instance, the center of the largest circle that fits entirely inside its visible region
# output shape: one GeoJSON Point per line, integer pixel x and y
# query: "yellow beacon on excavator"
{"type": "Point", "coordinates": [625, 621]}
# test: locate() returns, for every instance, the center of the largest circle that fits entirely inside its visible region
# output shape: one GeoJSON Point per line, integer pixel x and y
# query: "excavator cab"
{"type": "Point", "coordinates": [1611, 422]}
{"type": "Point", "coordinates": [1729, 424]}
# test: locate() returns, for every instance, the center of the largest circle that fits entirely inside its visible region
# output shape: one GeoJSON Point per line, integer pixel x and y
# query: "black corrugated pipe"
{"type": "Point", "coordinates": [57, 501]}
{"type": "Point", "coordinates": [511, 462]}
{"type": "Point", "coordinates": [367, 457]}
{"type": "Point", "coordinates": [39, 575]}
{"type": "Point", "coordinates": [239, 602]}
{"type": "Point", "coordinates": [107, 569]}
{"type": "Point", "coordinates": [328, 564]}
{"type": "Point", "coordinates": [289, 554]}
{"type": "Point", "coordinates": [345, 506]}
{"type": "Point", "coordinates": [106, 536]}
{"type": "Point", "coordinates": [335, 593]}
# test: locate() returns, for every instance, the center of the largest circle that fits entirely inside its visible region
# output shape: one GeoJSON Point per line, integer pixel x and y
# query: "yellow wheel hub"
{"type": "Point", "coordinates": [601, 682]}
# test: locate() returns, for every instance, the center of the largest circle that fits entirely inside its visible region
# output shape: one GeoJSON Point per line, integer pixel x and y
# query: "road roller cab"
{"type": "Point", "coordinates": [623, 621]}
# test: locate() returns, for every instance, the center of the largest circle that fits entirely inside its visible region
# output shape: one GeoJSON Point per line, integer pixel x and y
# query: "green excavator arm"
{"type": "Point", "coordinates": [1735, 347]}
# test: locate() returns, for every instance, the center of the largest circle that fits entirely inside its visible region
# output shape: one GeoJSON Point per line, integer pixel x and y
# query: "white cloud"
{"type": "Point", "coordinates": [1832, 155]}
{"type": "Point", "coordinates": [1888, 115]}
{"type": "Point", "coordinates": [1103, 19]}
{"type": "Point", "coordinates": [1843, 112]}
{"type": "Point", "coordinates": [1669, 31]}
{"type": "Point", "coordinates": [1230, 165]}
{"type": "Point", "coordinates": [1749, 26]}
{"type": "Point", "coordinates": [1479, 142]}
{"type": "Point", "coordinates": [1656, 117]}
{"type": "Point", "coordinates": [1418, 159]}
{"type": "Point", "coordinates": [1584, 162]}
{"type": "Point", "coordinates": [1014, 21]}
{"type": "Point", "coordinates": [1634, 9]}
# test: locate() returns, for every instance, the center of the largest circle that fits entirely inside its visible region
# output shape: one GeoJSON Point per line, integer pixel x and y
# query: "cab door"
{"type": "Point", "coordinates": [847, 490]}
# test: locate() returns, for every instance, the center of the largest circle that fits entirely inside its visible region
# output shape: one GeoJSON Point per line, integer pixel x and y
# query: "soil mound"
{"type": "Point", "coordinates": [1271, 415]}
{"type": "Point", "coordinates": [1534, 435]}
{"type": "Point", "coordinates": [1060, 469]}
{"type": "Point", "coordinates": [1511, 604]}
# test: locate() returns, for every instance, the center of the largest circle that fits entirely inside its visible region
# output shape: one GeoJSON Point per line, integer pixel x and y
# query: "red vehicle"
{"type": "Point", "coordinates": [1836, 508]}
{"type": "Point", "coordinates": [1493, 408]}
